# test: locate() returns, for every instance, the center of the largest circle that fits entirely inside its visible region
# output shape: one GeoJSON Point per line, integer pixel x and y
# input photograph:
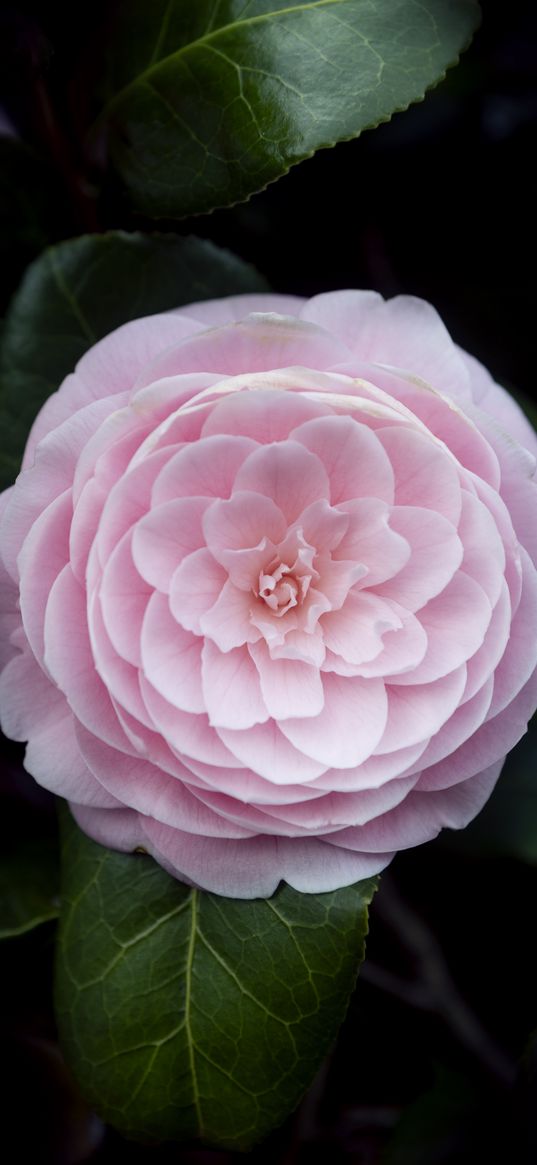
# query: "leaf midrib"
{"type": "Point", "coordinates": [188, 1007]}
{"type": "Point", "coordinates": [153, 67]}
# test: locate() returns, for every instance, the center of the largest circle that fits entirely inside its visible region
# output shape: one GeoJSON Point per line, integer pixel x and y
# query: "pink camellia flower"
{"type": "Point", "coordinates": [278, 602]}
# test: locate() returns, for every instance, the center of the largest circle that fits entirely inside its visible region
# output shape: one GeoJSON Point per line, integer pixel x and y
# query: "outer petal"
{"type": "Point", "coordinates": [254, 868]}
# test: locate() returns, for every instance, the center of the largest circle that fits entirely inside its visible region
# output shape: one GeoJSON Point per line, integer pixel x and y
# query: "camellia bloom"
{"type": "Point", "coordinates": [278, 602]}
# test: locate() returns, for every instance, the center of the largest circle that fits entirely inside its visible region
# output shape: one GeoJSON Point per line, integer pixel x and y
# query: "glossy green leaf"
{"type": "Point", "coordinates": [184, 1014]}
{"type": "Point", "coordinates": [29, 885]}
{"type": "Point", "coordinates": [210, 101]}
{"type": "Point", "coordinates": [80, 290]}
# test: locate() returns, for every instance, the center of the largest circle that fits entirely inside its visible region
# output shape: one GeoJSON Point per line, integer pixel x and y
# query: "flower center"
{"type": "Point", "coordinates": [278, 588]}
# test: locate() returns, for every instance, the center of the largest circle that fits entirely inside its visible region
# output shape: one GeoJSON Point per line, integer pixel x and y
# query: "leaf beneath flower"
{"type": "Point", "coordinates": [184, 1014]}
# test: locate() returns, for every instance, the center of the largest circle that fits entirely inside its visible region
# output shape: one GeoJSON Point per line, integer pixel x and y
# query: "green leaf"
{"type": "Point", "coordinates": [184, 1014]}
{"type": "Point", "coordinates": [80, 290]}
{"type": "Point", "coordinates": [209, 102]}
{"type": "Point", "coordinates": [29, 886]}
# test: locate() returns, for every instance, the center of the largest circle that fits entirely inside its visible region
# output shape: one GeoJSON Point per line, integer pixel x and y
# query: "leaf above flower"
{"type": "Point", "coordinates": [80, 290]}
{"type": "Point", "coordinates": [209, 102]}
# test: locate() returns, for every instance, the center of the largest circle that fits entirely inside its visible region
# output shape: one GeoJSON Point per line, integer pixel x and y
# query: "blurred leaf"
{"type": "Point", "coordinates": [209, 102]}
{"type": "Point", "coordinates": [29, 886]}
{"type": "Point", "coordinates": [184, 1014]}
{"type": "Point", "coordinates": [80, 290]}
{"type": "Point", "coordinates": [507, 826]}
{"type": "Point", "coordinates": [440, 1126]}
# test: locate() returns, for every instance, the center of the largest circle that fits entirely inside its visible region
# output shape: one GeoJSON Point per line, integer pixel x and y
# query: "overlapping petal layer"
{"type": "Point", "coordinates": [278, 605]}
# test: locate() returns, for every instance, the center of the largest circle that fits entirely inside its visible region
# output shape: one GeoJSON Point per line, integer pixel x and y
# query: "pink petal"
{"type": "Point", "coordinates": [128, 501]}
{"type": "Point", "coordinates": [114, 363]}
{"type": "Point", "coordinates": [370, 540]}
{"type": "Point", "coordinates": [171, 657]}
{"type": "Point", "coordinates": [419, 710]}
{"type": "Point", "coordinates": [68, 658]}
{"type": "Point", "coordinates": [228, 622]}
{"type": "Point", "coordinates": [257, 343]}
{"type": "Point", "coordinates": [436, 553]}
{"type": "Point", "coordinates": [484, 553]}
{"type": "Point", "coordinates": [425, 473]}
{"type": "Point", "coordinates": [119, 677]}
{"type": "Point", "coordinates": [28, 700]}
{"type": "Point", "coordinates": [44, 554]}
{"type": "Point", "coordinates": [289, 687]}
{"type": "Point", "coordinates": [254, 868]}
{"type": "Point", "coordinates": [166, 535]}
{"type": "Point", "coordinates": [402, 649]}
{"type": "Point", "coordinates": [487, 657]}
{"type": "Point", "coordinates": [231, 688]}
{"type": "Point", "coordinates": [518, 661]}
{"type": "Point", "coordinates": [421, 816]}
{"type": "Point", "coordinates": [186, 733]}
{"type": "Point", "coordinates": [335, 582]}
{"type": "Point", "coordinates": [54, 759]}
{"type": "Point", "coordinates": [307, 646]}
{"type": "Point", "coordinates": [49, 476]}
{"type": "Point", "coordinates": [262, 414]}
{"type": "Point", "coordinates": [338, 810]}
{"type": "Point", "coordinates": [455, 624]}
{"type": "Point", "coordinates": [213, 313]}
{"type": "Point", "coordinates": [324, 526]}
{"type": "Point", "coordinates": [355, 632]}
{"type": "Point", "coordinates": [109, 448]}
{"type": "Point", "coordinates": [346, 314]}
{"type": "Point", "coordinates": [114, 828]}
{"type": "Point", "coordinates": [164, 400]}
{"type": "Point", "coordinates": [349, 727]}
{"type": "Point", "coordinates": [352, 455]}
{"type": "Point", "coordinates": [455, 429]}
{"type": "Point", "coordinates": [242, 783]}
{"type": "Point", "coordinates": [140, 785]}
{"type": "Point", "coordinates": [239, 533]}
{"type": "Point", "coordinates": [465, 720]}
{"type": "Point", "coordinates": [264, 749]}
{"type": "Point", "coordinates": [498, 403]}
{"type": "Point", "coordinates": [286, 473]}
{"type": "Point", "coordinates": [207, 468]}
{"type": "Point", "coordinates": [194, 588]}
{"type": "Point", "coordinates": [84, 525]}
{"type": "Point", "coordinates": [124, 596]}
{"type": "Point", "coordinates": [492, 741]}
{"type": "Point", "coordinates": [408, 333]}
{"type": "Point", "coordinates": [373, 772]}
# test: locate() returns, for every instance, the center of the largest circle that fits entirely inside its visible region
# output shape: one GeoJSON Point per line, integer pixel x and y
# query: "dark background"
{"type": "Point", "coordinates": [432, 1065]}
